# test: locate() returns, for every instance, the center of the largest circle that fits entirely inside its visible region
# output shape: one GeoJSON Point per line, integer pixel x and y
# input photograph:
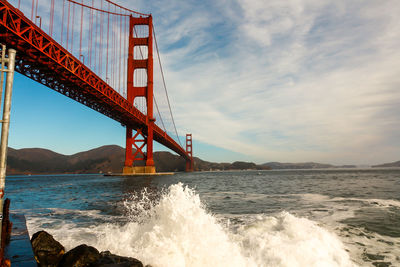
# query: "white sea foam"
{"type": "Point", "coordinates": [358, 240]}
{"type": "Point", "coordinates": [286, 240]}
{"type": "Point", "coordinates": [373, 201]}
{"type": "Point", "coordinates": [341, 208]}
{"type": "Point", "coordinates": [176, 230]}
{"type": "Point", "coordinates": [385, 203]}
{"type": "Point", "coordinates": [361, 242]}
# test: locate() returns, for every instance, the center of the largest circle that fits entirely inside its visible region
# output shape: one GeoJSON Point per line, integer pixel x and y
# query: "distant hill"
{"type": "Point", "coordinates": [388, 165]}
{"type": "Point", "coordinates": [237, 165]}
{"type": "Point", "coordinates": [102, 160]}
{"type": "Point", "coordinates": [44, 161]}
{"type": "Point", "coordinates": [111, 159]}
{"type": "Point", "coordinates": [304, 165]}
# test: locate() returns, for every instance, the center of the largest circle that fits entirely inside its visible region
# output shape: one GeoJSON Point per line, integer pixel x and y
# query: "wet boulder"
{"type": "Point", "coordinates": [110, 260]}
{"type": "Point", "coordinates": [81, 256]}
{"type": "Point", "coordinates": [48, 251]}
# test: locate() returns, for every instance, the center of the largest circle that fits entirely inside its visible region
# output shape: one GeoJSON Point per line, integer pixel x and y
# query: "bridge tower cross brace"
{"type": "Point", "coordinates": [144, 135]}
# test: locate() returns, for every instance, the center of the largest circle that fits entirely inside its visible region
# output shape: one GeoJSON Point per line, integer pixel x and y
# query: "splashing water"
{"type": "Point", "coordinates": [286, 240]}
{"type": "Point", "coordinates": [177, 230]}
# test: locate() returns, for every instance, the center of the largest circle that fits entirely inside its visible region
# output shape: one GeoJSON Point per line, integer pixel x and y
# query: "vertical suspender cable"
{"type": "Point", "coordinates": [165, 86]}
{"type": "Point", "coordinates": [115, 59]}
{"type": "Point", "coordinates": [116, 52]}
{"type": "Point", "coordinates": [114, 48]}
{"type": "Point", "coordinates": [72, 30]}
{"type": "Point", "coordinates": [95, 42]}
{"type": "Point", "coordinates": [91, 34]}
{"type": "Point", "coordinates": [101, 41]}
{"type": "Point", "coordinates": [62, 23]}
{"type": "Point", "coordinates": [112, 51]}
{"type": "Point", "coordinates": [68, 24]}
{"type": "Point", "coordinates": [51, 18]}
{"type": "Point", "coordinates": [108, 33]}
{"type": "Point", "coordinates": [33, 8]}
{"type": "Point", "coordinates": [124, 61]}
{"type": "Point", "coordinates": [80, 36]}
{"type": "Point", "coordinates": [36, 8]}
{"type": "Point", "coordinates": [51, 14]}
{"type": "Point", "coordinates": [129, 10]}
{"type": "Point", "coordinates": [98, 42]}
{"type": "Point", "coordinates": [159, 115]}
{"type": "Point", "coordinates": [120, 50]}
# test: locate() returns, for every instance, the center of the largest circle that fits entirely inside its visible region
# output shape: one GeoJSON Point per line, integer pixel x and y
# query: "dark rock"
{"type": "Point", "coordinates": [81, 256]}
{"type": "Point", "coordinates": [373, 257]}
{"type": "Point", "coordinates": [110, 260]}
{"type": "Point", "coordinates": [48, 251]}
{"type": "Point", "coordinates": [382, 264]}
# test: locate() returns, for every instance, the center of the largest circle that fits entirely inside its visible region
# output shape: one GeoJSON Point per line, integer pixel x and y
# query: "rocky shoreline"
{"type": "Point", "coordinates": [51, 253]}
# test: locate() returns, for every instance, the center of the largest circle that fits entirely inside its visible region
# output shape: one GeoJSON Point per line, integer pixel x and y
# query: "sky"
{"type": "Point", "coordinates": [253, 80]}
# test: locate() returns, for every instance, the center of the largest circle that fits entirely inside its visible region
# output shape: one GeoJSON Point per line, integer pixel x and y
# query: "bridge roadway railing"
{"type": "Point", "coordinates": [42, 59]}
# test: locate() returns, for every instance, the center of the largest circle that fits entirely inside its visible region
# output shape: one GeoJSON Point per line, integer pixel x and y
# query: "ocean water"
{"type": "Point", "coordinates": [243, 218]}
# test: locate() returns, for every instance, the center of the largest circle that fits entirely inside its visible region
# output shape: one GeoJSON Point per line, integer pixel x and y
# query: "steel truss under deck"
{"type": "Point", "coordinates": [42, 59]}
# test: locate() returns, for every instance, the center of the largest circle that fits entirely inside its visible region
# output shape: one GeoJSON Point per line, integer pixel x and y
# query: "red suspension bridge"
{"type": "Point", "coordinates": [100, 54]}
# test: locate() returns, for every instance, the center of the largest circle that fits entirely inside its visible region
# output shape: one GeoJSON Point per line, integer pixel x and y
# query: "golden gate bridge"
{"type": "Point", "coordinates": [100, 54]}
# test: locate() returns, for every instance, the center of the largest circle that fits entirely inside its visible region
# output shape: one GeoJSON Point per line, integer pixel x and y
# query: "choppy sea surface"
{"type": "Point", "coordinates": [244, 218]}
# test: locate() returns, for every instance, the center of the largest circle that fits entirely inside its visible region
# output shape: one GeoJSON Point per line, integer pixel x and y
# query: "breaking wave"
{"type": "Point", "coordinates": [176, 229]}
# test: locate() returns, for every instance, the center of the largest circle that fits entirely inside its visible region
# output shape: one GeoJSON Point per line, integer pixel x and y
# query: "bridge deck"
{"type": "Point", "coordinates": [42, 59]}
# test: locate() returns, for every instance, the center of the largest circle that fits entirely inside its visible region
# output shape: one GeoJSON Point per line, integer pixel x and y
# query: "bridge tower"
{"type": "Point", "coordinates": [144, 136]}
{"type": "Point", "coordinates": [189, 151]}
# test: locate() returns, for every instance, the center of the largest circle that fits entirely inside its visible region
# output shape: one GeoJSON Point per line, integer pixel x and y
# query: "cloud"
{"type": "Point", "coordinates": [299, 80]}
{"type": "Point", "coordinates": [295, 80]}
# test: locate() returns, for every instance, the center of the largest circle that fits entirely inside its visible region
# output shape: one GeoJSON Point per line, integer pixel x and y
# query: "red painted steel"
{"type": "Point", "coordinates": [189, 151]}
{"type": "Point", "coordinates": [139, 144]}
{"type": "Point", "coordinates": [135, 91]}
{"type": "Point", "coordinates": [127, 9]}
{"type": "Point", "coordinates": [42, 59]}
{"type": "Point", "coordinates": [96, 9]}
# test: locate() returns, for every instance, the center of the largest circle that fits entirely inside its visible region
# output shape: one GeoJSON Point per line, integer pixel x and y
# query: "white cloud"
{"type": "Point", "coordinates": [294, 80]}
{"type": "Point", "coordinates": [303, 80]}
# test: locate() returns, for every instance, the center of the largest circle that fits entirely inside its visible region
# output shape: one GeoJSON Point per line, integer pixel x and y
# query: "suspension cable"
{"type": "Point", "coordinates": [165, 86]}
{"type": "Point", "coordinates": [97, 9]}
{"type": "Point", "coordinates": [158, 111]}
{"type": "Point", "coordinates": [129, 10]}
